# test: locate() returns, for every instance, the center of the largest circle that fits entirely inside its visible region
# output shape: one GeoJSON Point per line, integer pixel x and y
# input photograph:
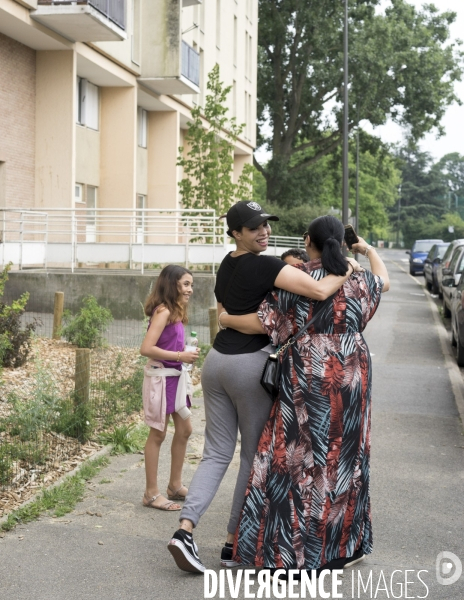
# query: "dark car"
{"type": "Point", "coordinates": [451, 279]}
{"type": "Point", "coordinates": [431, 264]}
{"type": "Point", "coordinates": [418, 254]}
{"type": "Point", "coordinates": [457, 315]}
{"type": "Point", "coordinates": [446, 262]}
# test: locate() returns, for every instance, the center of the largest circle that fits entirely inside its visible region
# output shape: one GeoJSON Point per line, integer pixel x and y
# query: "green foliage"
{"type": "Point", "coordinates": [15, 342]}
{"type": "Point", "coordinates": [208, 160]}
{"type": "Point", "coordinates": [38, 411]}
{"type": "Point", "coordinates": [125, 439]}
{"type": "Point", "coordinates": [432, 196]}
{"type": "Point", "coordinates": [60, 499]}
{"type": "Point", "coordinates": [121, 396]}
{"type": "Point", "coordinates": [318, 190]}
{"type": "Point", "coordinates": [75, 419]}
{"type": "Point", "coordinates": [204, 349]}
{"type": "Point", "coordinates": [85, 330]}
{"type": "Point", "coordinates": [402, 66]}
{"type": "Point", "coordinates": [6, 464]}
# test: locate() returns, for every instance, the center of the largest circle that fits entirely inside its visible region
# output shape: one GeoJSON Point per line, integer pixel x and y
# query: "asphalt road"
{"type": "Point", "coordinates": [417, 489]}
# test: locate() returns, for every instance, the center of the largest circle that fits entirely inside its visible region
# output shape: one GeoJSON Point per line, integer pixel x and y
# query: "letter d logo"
{"type": "Point", "coordinates": [447, 562]}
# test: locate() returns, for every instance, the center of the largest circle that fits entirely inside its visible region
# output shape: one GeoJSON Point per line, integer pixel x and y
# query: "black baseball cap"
{"type": "Point", "coordinates": [247, 214]}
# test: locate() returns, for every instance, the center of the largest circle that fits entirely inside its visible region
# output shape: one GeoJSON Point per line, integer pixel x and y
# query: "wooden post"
{"type": "Point", "coordinates": [213, 324]}
{"type": "Point", "coordinates": [82, 376]}
{"type": "Point", "coordinates": [57, 315]}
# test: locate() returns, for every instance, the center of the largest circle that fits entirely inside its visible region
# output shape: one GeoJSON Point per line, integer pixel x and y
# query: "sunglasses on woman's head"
{"type": "Point", "coordinates": [305, 235]}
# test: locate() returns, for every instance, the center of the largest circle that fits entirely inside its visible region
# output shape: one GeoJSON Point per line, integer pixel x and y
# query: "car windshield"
{"type": "Point", "coordinates": [422, 246]}
{"type": "Point", "coordinates": [441, 251]}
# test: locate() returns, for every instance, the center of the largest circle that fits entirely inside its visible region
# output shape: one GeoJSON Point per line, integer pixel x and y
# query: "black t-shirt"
{"type": "Point", "coordinates": [254, 278]}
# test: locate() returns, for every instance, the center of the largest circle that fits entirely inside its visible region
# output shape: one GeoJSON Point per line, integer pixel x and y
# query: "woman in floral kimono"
{"type": "Point", "coordinates": [307, 504]}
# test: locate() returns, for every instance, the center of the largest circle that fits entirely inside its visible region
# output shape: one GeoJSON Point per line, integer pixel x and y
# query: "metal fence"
{"type": "Point", "coordinates": [190, 63]}
{"type": "Point", "coordinates": [124, 238]}
{"type": "Point", "coordinates": [115, 10]}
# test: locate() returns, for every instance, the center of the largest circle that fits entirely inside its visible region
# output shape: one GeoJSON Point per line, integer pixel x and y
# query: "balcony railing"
{"type": "Point", "coordinates": [114, 10]}
{"type": "Point", "coordinates": [190, 64]}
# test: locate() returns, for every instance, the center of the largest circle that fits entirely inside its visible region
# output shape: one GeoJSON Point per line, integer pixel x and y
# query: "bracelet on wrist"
{"type": "Point", "coordinates": [221, 327]}
{"type": "Point", "coordinates": [178, 356]}
{"type": "Point", "coordinates": [369, 247]}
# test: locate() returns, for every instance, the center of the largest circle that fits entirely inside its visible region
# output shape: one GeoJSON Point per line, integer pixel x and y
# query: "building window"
{"type": "Point", "coordinates": [136, 32]}
{"type": "Point", "coordinates": [78, 192]}
{"type": "Point", "coordinates": [88, 103]}
{"type": "Point", "coordinates": [142, 127]}
{"type": "Point", "coordinates": [91, 217]}
{"type": "Point", "coordinates": [140, 222]}
{"type": "Point", "coordinates": [218, 23]}
{"type": "Point", "coordinates": [235, 40]}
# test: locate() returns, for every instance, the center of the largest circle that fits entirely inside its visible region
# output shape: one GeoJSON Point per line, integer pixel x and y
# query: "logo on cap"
{"type": "Point", "coordinates": [254, 205]}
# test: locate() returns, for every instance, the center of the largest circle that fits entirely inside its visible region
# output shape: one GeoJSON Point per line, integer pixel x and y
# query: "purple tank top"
{"type": "Point", "coordinates": [172, 338]}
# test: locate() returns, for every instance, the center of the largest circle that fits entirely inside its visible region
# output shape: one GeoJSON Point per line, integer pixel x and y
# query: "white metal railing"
{"type": "Point", "coordinates": [82, 237]}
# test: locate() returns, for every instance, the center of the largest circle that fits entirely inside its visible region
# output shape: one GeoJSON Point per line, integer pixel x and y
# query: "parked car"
{"type": "Point", "coordinates": [446, 262]}
{"type": "Point", "coordinates": [431, 264]}
{"type": "Point", "coordinates": [451, 279]}
{"type": "Point", "coordinates": [418, 254]}
{"type": "Point", "coordinates": [457, 318]}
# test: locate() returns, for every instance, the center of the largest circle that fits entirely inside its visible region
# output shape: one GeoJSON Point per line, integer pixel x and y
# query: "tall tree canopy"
{"type": "Point", "coordinates": [402, 66]}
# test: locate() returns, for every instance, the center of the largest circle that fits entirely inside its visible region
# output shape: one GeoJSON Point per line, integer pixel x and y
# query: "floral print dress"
{"type": "Point", "coordinates": [307, 501]}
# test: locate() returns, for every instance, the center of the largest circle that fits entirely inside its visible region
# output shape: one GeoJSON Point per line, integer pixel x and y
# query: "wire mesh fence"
{"type": "Point", "coordinates": [54, 406]}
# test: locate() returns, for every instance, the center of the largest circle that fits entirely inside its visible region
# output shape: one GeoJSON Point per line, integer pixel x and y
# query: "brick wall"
{"type": "Point", "coordinates": [17, 122]}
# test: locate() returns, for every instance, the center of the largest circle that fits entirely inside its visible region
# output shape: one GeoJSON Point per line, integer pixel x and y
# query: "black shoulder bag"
{"type": "Point", "coordinates": [272, 372]}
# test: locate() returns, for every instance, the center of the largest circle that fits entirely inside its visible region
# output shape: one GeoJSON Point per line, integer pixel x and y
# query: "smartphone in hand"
{"type": "Point", "coordinates": [350, 236]}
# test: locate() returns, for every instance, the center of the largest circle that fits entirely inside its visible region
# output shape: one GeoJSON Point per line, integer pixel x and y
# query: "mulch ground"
{"type": "Point", "coordinates": [63, 453]}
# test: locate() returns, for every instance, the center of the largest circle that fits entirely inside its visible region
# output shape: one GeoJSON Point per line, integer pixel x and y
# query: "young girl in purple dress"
{"type": "Point", "coordinates": [166, 383]}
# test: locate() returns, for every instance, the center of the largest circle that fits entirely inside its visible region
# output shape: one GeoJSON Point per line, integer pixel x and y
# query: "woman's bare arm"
{"type": "Point", "coordinates": [298, 282]}
{"type": "Point", "coordinates": [377, 265]}
{"type": "Point", "coordinates": [249, 324]}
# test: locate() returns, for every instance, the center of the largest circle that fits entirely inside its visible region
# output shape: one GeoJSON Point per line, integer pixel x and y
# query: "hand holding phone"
{"type": "Point", "coordinates": [350, 236]}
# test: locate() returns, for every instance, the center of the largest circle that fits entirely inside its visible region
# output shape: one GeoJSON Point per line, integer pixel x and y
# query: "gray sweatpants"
{"type": "Point", "coordinates": [234, 399]}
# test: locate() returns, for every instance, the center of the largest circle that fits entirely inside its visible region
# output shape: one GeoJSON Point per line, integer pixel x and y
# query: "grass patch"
{"type": "Point", "coordinates": [58, 500]}
{"type": "Point", "coordinates": [106, 481]}
{"type": "Point", "coordinates": [126, 439]}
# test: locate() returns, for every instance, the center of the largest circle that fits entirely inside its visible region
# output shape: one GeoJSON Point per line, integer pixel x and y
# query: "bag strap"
{"type": "Point", "coordinates": [292, 339]}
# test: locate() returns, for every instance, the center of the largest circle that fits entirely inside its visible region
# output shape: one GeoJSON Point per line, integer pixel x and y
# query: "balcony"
{"type": "Point", "coordinates": [84, 20]}
{"type": "Point", "coordinates": [169, 65]}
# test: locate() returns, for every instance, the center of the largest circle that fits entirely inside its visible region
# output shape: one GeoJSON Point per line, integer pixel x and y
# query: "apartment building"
{"type": "Point", "coordinates": [95, 96]}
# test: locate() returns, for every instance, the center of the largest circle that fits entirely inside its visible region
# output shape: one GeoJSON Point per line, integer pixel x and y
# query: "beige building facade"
{"type": "Point", "coordinates": [95, 96]}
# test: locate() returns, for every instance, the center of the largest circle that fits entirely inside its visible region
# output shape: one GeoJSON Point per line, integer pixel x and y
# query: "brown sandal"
{"type": "Point", "coordinates": [175, 495]}
{"type": "Point", "coordinates": [149, 503]}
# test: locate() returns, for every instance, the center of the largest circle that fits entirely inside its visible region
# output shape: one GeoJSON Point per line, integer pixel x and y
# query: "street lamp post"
{"type": "Point", "coordinates": [398, 219]}
{"type": "Point", "coordinates": [345, 199]}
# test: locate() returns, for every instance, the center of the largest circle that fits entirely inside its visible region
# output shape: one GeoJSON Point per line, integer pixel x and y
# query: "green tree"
{"type": "Point", "coordinates": [451, 168]}
{"type": "Point", "coordinates": [208, 164]}
{"type": "Point", "coordinates": [320, 190]}
{"type": "Point", "coordinates": [402, 67]}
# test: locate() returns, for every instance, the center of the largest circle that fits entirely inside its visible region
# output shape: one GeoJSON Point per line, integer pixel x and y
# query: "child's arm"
{"type": "Point", "coordinates": [149, 348]}
{"type": "Point", "coordinates": [248, 324]}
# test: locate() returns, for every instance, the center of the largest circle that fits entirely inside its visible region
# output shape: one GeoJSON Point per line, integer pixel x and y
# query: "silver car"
{"type": "Point", "coordinates": [451, 278]}
{"type": "Point", "coordinates": [445, 263]}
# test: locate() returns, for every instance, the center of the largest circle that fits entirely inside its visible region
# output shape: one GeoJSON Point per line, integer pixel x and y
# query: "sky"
{"type": "Point", "coordinates": [453, 121]}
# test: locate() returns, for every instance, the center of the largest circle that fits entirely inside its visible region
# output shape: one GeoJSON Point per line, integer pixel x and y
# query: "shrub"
{"type": "Point", "coordinates": [123, 438]}
{"type": "Point", "coordinates": [75, 419]}
{"type": "Point", "coordinates": [15, 342]}
{"type": "Point", "coordinates": [85, 329]}
{"type": "Point", "coordinates": [122, 396]}
{"type": "Point", "coordinates": [6, 466]}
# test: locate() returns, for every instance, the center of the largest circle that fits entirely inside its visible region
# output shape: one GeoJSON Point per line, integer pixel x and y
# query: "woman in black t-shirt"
{"type": "Point", "coordinates": [234, 399]}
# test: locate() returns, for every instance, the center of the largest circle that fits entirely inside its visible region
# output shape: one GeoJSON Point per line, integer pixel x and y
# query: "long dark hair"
{"type": "Point", "coordinates": [165, 292]}
{"type": "Point", "coordinates": [327, 233]}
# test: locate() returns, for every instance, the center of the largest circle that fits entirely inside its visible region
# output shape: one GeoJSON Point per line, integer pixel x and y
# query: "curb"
{"type": "Point", "coordinates": [454, 373]}
{"type": "Point", "coordinates": [103, 452]}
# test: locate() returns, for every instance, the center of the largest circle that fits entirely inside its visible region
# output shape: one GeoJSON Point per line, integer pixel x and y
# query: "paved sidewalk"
{"type": "Point", "coordinates": [417, 492]}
